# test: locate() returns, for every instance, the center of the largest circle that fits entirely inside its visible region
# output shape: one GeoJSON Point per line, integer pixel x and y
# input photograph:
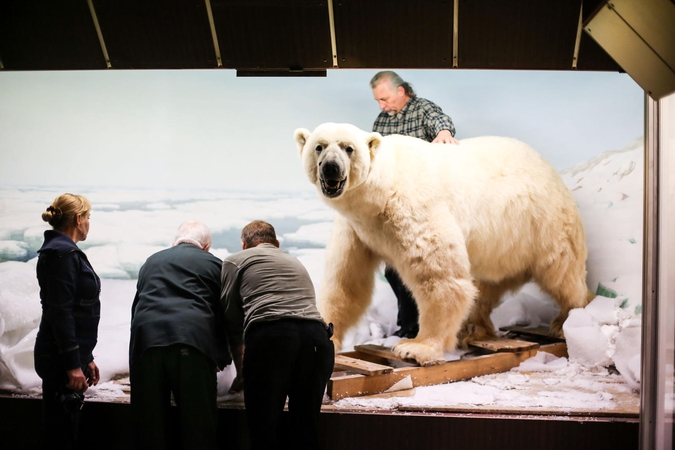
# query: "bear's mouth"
{"type": "Point", "coordinates": [332, 188]}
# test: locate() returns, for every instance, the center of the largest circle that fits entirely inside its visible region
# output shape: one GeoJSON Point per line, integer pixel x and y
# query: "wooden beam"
{"type": "Point", "coordinates": [382, 352]}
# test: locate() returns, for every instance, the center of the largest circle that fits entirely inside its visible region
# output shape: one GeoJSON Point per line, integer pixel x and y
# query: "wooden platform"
{"type": "Point", "coordinates": [371, 369]}
{"type": "Point", "coordinates": [464, 427]}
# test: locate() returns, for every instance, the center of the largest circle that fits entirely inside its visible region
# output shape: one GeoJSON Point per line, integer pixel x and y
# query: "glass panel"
{"type": "Point", "coordinates": [666, 296]}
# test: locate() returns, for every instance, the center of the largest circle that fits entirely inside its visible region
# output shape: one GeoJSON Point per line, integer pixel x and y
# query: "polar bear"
{"type": "Point", "coordinates": [460, 223]}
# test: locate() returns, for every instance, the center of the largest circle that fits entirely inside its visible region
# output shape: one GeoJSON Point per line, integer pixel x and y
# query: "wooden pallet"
{"type": "Point", "coordinates": [372, 369]}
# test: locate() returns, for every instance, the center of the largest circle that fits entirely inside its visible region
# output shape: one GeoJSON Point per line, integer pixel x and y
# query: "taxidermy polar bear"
{"type": "Point", "coordinates": [460, 223]}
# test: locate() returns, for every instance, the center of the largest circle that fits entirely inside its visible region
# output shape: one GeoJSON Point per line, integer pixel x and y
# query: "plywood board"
{"type": "Point", "coordinates": [355, 365]}
{"type": "Point", "coordinates": [504, 345]}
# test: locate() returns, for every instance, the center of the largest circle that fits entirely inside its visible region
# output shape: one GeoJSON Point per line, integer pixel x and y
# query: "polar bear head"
{"type": "Point", "coordinates": [337, 156]}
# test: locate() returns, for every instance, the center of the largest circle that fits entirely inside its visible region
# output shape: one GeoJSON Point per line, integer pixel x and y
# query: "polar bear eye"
{"type": "Point", "coordinates": [319, 149]}
{"type": "Point", "coordinates": [349, 149]}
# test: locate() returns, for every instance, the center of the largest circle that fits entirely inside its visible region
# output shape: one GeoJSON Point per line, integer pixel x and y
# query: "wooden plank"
{"type": "Point", "coordinates": [382, 352]}
{"type": "Point", "coordinates": [532, 410]}
{"type": "Point", "coordinates": [542, 332]}
{"type": "Point", "coordinates": [463, 369]}
{"type": "Point", "coordinates": [402, 393]}
{"type": "Point", "coordinates": [366, 357]}
{"type": "Point", "coordinates": [349, 364]}
{"type": "Point", "coordinates": [504, 345]}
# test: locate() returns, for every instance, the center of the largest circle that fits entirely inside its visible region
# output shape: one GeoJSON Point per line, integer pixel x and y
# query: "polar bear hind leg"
{"type": "Point", "coordinates": [567, 288]}
{"type": "Point", "coordinates": [561, 273]}
{"type": "Point", "coordinates": [479, 326]}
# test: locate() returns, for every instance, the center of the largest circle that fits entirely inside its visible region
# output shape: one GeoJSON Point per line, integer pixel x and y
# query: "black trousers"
{"type": "Point", "coordinates": [191, 377]}
{"type": "Point", "coordinates": [286, 357]}
{"type": "Point", "coordinates": [59, 425]}
{"type": "Point", "coordinates": [408, 315]}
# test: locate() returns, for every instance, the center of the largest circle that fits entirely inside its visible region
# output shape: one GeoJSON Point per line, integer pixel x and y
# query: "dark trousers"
{"type": "Point", "coordinates": [286, 357]}
{"type": "Point", "coordinates": [191, 377]}
{"type": "Point", "coordinates": [408, 315]}
{"type": "Point", "coordinates": [59, 426]}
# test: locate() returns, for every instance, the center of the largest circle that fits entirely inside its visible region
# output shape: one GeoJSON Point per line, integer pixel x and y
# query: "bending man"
{"type": "Point", "coordinates": [270, 307]}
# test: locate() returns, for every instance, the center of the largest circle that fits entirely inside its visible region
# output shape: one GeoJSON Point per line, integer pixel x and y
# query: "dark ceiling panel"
{"type": "Point", "coordinates": [48, 35]}
{"type": "Point", "coordinates": [156, 34]}
{"type": "Point", "coordinates": [590, 6]}
{"type": "Point", "coordinates": [273, 34]}
{"type": "Point", "coordinates": [517, 34]}
{"type": "Point", "coordinates": [394, 34]}
{"type": "Point", "coordinates": [287, 36]}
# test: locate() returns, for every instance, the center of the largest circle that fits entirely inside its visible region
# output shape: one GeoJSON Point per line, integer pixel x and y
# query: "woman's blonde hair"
{"type": "Point", "coordinates": [64, 208]}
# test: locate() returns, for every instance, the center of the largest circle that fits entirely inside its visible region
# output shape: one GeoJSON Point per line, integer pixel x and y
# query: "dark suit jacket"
{"type": "Point", "coordinates": [177, 302]}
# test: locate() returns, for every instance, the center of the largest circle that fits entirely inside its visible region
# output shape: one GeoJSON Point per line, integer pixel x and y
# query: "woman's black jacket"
{"type": "Point", "coordinates": [71, 309]}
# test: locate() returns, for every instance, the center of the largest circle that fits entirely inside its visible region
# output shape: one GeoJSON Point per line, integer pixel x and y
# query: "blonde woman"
{"type": "Point", "coordinates": [69, 293]}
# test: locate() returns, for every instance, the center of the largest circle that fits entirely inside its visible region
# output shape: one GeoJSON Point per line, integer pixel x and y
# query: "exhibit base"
{"type": "Point", "coordinates": [108, 426]}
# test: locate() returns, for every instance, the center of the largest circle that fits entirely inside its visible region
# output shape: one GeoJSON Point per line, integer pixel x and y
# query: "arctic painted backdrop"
{"type": "Point", "coordinates": [154, 148]}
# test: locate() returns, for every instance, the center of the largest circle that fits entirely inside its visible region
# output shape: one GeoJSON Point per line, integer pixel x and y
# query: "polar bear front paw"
{"type": "Point", "coordinates": [424, 352]}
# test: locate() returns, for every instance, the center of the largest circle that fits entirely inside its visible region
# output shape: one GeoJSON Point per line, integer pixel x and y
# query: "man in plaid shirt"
{"type": "Point", "coordinates": [405, 113]}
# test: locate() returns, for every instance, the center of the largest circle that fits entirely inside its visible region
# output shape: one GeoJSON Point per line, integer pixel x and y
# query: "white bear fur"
{"type": "Point", "coordinates": [458, 222]}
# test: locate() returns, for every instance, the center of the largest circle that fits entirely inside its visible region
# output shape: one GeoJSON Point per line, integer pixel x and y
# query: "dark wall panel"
{"type": "Point", "coordinates": [156, 34]}
{"type": "Point", "coordinates": [272, 34]}
{"type": "Point", "coordinates": [472, 432]}
{"type": "Point", "coordinates": [394, 34]}
{"type": "Point", "coordinates": [108, 427]}
{"type": "Point", "coordinates": [48, 35]}
{"type": "Point", "coordinates": [593, 57]}
{"type": "Point", "coordinates": [517, 34]}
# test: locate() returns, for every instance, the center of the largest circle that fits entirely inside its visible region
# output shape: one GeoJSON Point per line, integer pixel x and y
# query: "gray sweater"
{"type": "Point", "coordinates": [264, 284]}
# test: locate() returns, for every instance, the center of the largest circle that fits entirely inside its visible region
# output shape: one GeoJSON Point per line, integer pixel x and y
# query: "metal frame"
{"type": "Point", "coordinates": [577, 42]}
{"type": "Point", "coordinates": [455, 35]}
{"type": "Point", "coordinates": [333, 41]}
{"type": "Point", "coordinates": [214, 35]}
{"type": "Point", "coordinates": [656, 427]}
{"type": "Point", "coordinates": [101, 41]}
{"type": "Point", "coordinates": [650, 253]}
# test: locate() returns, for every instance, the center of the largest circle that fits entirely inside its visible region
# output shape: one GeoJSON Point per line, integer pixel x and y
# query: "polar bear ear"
{"type": "Point", "coordinates": [301, 135]}
{"type": "Point", "coordinates": [373, 140]}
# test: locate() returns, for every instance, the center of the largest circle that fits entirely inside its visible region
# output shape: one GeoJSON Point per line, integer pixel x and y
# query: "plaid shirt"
{"type": "Point", "coordinates": [419, 118]}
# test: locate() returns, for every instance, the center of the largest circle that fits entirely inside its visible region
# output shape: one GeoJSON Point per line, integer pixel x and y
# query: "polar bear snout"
{"type": "Point", "coordinates": [331, 171]}
{"type": "Point", "coordinates": [332, 178]}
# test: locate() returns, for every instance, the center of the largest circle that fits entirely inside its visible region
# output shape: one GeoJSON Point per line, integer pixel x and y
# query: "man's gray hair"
{"type": "Point", "coordinates": [195, 233]}
{"type": "Point", "coordinates": [395, 80]}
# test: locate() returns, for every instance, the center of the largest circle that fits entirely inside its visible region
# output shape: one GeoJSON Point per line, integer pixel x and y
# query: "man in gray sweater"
{"type": "Point", "coordinates": [270, 310]}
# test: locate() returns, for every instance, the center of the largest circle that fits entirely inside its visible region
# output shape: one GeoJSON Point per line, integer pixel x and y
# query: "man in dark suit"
{"type": "Point", "coordinates": [177, 342]}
